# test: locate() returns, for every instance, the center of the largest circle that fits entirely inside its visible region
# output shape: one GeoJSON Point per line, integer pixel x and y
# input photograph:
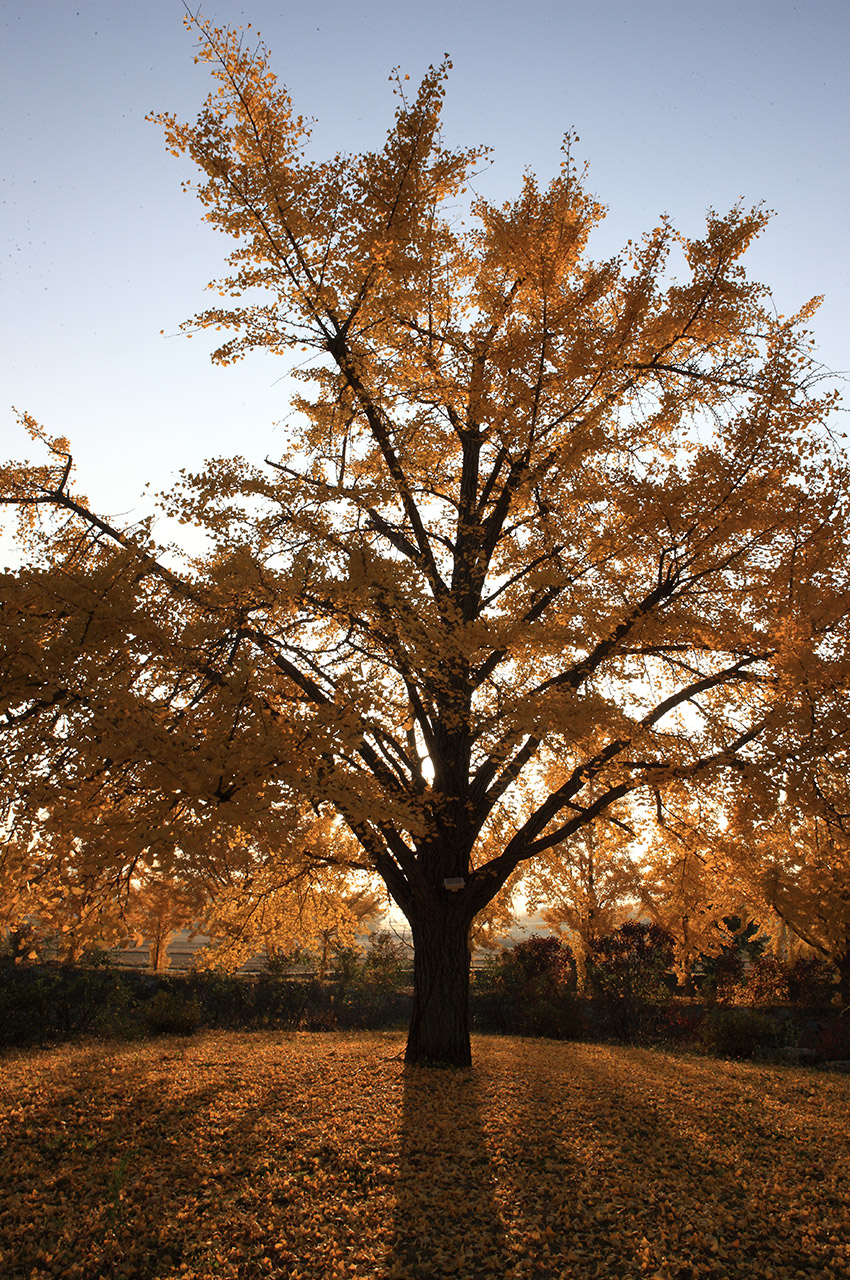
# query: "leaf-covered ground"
{"type": "Point", "coordinates": [313, 1155]}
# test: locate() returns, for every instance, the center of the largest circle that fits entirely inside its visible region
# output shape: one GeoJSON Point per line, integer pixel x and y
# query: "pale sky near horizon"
{"type": "Point", "coordinates": [679, 106]}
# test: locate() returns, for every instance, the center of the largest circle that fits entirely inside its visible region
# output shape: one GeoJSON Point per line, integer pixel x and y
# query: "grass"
{"type": "Point", "coordinates": [320, 1156]}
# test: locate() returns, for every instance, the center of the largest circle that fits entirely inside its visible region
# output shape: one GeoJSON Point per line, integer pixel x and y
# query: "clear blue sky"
{"type": "Point", "coordinates": [679, 106]}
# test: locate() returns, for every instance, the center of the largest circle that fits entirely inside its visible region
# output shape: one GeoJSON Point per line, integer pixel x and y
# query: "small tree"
{"type": "Point", "coordinates": [363, 906]}
{"type": "Point", "coordinates": [157, 909]}
{"type": "Point", "coordinates": [686, 885]}
{"type": "Point", "coordinates": [796, 861]}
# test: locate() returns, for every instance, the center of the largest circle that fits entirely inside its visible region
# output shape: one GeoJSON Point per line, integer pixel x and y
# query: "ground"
{"type": "Point", "coordinates": [320, 1156]}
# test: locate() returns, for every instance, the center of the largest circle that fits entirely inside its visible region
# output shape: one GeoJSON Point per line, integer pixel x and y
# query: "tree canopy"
{"type": "Point", "coordinates": [547, 534]}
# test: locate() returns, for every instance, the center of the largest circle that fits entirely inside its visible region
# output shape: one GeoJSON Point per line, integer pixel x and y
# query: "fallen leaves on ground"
{"type": "Point", "coordinates": [317, 1156]}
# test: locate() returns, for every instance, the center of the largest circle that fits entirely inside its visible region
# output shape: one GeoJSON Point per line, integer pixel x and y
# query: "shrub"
{"type": "Point", "coordinates": [368, 1006]}
{"type": "Point", "coordinates": [765, 983]}
{"type": "Point", "coordinates": [293, 1004]}
{"type": "Point", "coordinates": [633, 964]}
{"type": "Point", "coordinates": [811, 981]}
{"type": "Point", "coordinates": [279, 963]}
{"type": "Point", "coordinates": [629, 976]}
{"type": "Point", "coordinates": [492, 1007]}
{"type": "Point", "coordinates": [24, 999]}
{"type": "Point", "coordinates": [677, 1023]}
{"type": "Point", "coordinates": [43, 1002]}
{"type": "Point", "coordinates": [89, 999]}
{"type": "Point", "coordinates": [264, 1001]}
{"type": "Point", "coordinates": [171, 1012]}
{"type": "Point", "coordinates": [558, 1017]}
{"type": "Point", "coordinates": [387, 960]}
{"type": "Point", "coordinates": [348, 963]}
{"type": "Point", "coordinates": [831, 1039]}
{"type": "Point", "coordinates": [223, 999]}
{"type": "Point", "coordinates": [539, 967]}
{"type": "Point", "coordinates": [529, 990]}
{"type": "Point", "coordinates": [739, 1033]}
{"type": "Point", "coordinates": [542, 963]}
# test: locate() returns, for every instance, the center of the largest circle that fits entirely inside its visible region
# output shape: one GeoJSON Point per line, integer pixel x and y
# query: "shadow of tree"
{"type": "Point", "coordinates": [238, 1157]}
{"type": "Point", "coordinates": [621, 1163]}
{"type": "Point", "coordinates": [446, 1219]}
{"type": "Point", "coordinates": [109, 1170]}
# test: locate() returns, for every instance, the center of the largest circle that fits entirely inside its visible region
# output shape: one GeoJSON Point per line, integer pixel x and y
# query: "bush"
{"type": "Point", "coordinates": [811, 981]}
{"type": "Point", "coordinates": [293, 1004]}
{"type": "Point", "coordinates": [348, 963]}
{"type": "Point", "coordinates": [629, 977]}
{"type": "Point", "coordinates": [369, 1006]}
{"type": "Point", "coordinates": [265, 1001]}
{"type": "Point", "coordinates": [529, 990]}
{"type": "Point", "coordinates": [765, 983]}
{"type": "Point", "coordinates": [830, 1039]}
{"type": "Point", "coordinates": [24, 1000]}
{"type": "Point", "coordinates": [45, 1002]}
{"type": "Point", "coordinates": [40, 1003]}
{"type": "Point", "coordinates": [770, 981]}
{"type": "Point", "coordinates": [559, 1017]}
{"type": "Point", "coordinates": [633, 964]}
{"type": "Point", "coordinates": [386, 962]}
{"type": "Point", "coordinates": [677, 1023]}
{"type": "Point", "coordinates": [172, 1013]}
{"type": "Point", "coordinates": [542, 963]}
{"type": "Point", "coordinates": [223, 999]}
{"type": "Point", "coordinates": [739, 1033]}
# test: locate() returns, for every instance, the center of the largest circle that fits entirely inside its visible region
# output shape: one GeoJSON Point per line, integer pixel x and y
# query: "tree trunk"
{"type": "Point", "coordinates": [842, 964]}
{"type": "Point", "coordinates": [439, 1025]}
{"type": "Point", "coordinates": [580, 954]}
{"type": "Point", "coordinates": [158, 950]}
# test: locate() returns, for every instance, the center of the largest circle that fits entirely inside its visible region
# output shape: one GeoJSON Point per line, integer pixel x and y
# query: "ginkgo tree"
{"type": "Point", "coordinates": [588, 885]}
{"type": "Point", "coordinates": [688, 885]}
{"type": "Point", "coordinates": [548, 532]}
{"type": "Point", "coordinates": [791, 852]}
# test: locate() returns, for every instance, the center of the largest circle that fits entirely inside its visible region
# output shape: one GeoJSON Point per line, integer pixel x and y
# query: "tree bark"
{"type": "Point", "coordinates": [158, 950]}
{"type": "Point", "coordinates": [842, 964]}
{"type": "Point", "coordinates": [439, 1025]}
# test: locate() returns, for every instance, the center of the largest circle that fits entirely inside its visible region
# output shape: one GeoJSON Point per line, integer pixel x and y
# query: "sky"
{"type": "Point", "coordinates": [679, 106]}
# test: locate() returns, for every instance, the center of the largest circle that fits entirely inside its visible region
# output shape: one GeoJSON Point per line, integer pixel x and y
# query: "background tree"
{"type": "Point", "coordinates": [268, 909]}
{"type": "Point", "coordinates": [788, 845]}
{"type": "Point", "coordinates": [157, 909]}
{"type": "Point", "coordinates": [539, 517]}
{"type": "Point", "coordinates": [688, 885]}
{"type": "Point", "coordinates": [587, 885]}
{"type": "Point", "coordinates": [798, 867]}
{"type": "Point", "coordinates": [53, 913]}
{"type": "Point", "coordinates": [364, 906]}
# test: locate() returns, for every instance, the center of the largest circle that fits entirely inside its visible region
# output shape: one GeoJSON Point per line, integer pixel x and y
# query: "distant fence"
{"type": "Point", "coordinates": [181, 955]}
{"type": "Point", "coordinates": [182, 952]}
